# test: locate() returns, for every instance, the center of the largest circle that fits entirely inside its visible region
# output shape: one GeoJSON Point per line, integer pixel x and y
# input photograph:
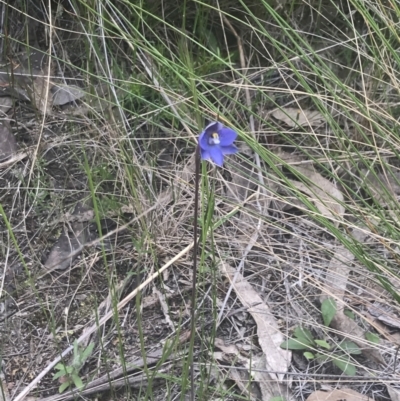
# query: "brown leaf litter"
{"type": "Point", "coordinates": [325, 195]}
{"type": "Point", "coordinates": [8, 144]}
{"type": "Point", "coordinates": [344, 394]}
{"type": "Point", "coordinates": [298, 117]}
{"type": "Point", "coordinates": [269, 335]}
{"type": "Point", "coordinates": [335, 287]}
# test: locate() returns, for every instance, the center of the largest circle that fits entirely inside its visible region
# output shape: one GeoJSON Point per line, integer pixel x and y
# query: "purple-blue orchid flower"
{"type": "Point", "coordinates": [216, 141]}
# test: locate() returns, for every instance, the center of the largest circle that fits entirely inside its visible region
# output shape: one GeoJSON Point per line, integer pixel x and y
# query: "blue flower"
{"type": "Point", "coordinates": [216, 141]}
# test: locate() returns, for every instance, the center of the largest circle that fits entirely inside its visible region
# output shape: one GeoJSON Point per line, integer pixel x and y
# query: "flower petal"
{"type": "Point", "coordinates": [229, 150]}
{"type": "Point", "coordinates": [204, 154]}
{"type": "Point", "coordinates": [227, 136]}
{"type": "Point", "coordinates": [203, 140]}
{"type": "Point", "coordinates": [216, 155]}
{"type": "Point", "coordinates": [215, 126]}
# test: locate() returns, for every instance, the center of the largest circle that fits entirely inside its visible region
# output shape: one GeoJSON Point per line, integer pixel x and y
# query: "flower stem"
{"type": "Point", "coordinates": [194, 281]}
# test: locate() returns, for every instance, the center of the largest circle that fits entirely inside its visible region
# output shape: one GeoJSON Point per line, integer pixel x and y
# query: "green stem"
{"type": "Point", "coordinates": [194, 282]}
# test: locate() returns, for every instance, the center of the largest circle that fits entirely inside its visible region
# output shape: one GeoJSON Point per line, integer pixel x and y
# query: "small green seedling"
{"type": "Point", "coordinates": [374, 338]}
{"type": "Point", "coordinates": [277, 398]}
{"type": "Point", "coordinates": [70, 374]}
{"type": "Point", "coordinates": [328, 310]}
{"type": "Point", "coordinates": [320, 349]}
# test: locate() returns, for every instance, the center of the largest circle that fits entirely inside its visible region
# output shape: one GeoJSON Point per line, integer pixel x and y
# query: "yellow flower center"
{"type": "Point", "coordinates": [214, 139]}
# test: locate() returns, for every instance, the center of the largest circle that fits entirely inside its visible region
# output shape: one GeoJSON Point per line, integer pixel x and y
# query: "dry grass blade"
{"type": "Point", "coordinates": [66, 94]}
{"type": "Point", "coordinates": [33, 79]}
{"type": "Point", "coordinates": [12, 160]}
{"type": "Point", "coordinates": [384, 187]}
{"type": "Point", "coordinates": [394, 393]}
{"type": "Point", "coordinates": [338, 395]}
{"type": "Point", "coordinates": [107, 98]}
{"type": "Point", "coordinates": [335, 286]}
{"type": "Point", "coordinates": [267, 387]}
{"type": "Point", "coordinates": [8, 144]}
{"type": "Point", "coordinates": [295, 117]}
{"type": "Point", "coordinates": [268, 332]}
{"type": "Point", "coordinates": [325, 195]}
{"type": "Point", "coordinates": [230, 354]}
{"type": "Point", "coordinates": [384, 315]}
{"type": "Point", "coordinates": [5, 104]}
{"type": "Point", "coordinates": [4, 393]}
{"type": "Point", "coordinates": [72, 241]}
{"type": "Point", "coordinates": [241, 183]}
{"type": "Point", "coordinates": [164, 198]}
{"type": "Point", "coordinates": [270, 389]}
{"type": "Point", "coordinates": [111, 379]}
{"type": "Point", "coordinates": [101, 322]}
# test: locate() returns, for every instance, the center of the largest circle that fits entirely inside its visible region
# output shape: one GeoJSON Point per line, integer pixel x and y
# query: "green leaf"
{"type": "Point", "coordinates": [294, 344]}
{"type": "Point", "coordinates": [304, 335]}
{"type": "Point", "coordinates": [374, 338]}
{"type": "Point", "coordinates": [63, 386]}
{"type": "Point", "coordinates": [322, 357]}
{"type": "Point", "coordinates": [323, 344]}
{"type": "Point", "coordinates": [59, 374]}
{"type": "Point", "coordinates": [77, 381]}
{"type": "Point", "coordinates": [60, 366]}
{"type": "Point", "coordinates": [345, 366]}
{"type": "Point", "coordinates": [85, 354]}
{"type": "Point", "coordinates": [350, 347]}
{"type": "Point", "coordinates": [349, 313]}
{"type": "Point", "coordinates": [308, 355]}
{"type": "Point", "coordinates": [277, 398]}
{"type": "Point", "coordinates": [328, 310]}
{"type": "Point", "coordinates": [69, 369]}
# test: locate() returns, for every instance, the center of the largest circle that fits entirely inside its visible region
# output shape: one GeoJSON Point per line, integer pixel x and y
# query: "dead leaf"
{"type": "Point", "coordinates": [230, 355]}
{"type": "Point", "coordinates": [326, 197]}
{"type": "Point", "coordinates": [71, 242]}
{"type": "Point", "coordinates": [10, 84]}
{"type": "Point", "coordinates": [4, 393]}
{"type": "Point", "coordinates": [40, 95]}
{"type": "Point", "coordinates": [8, 144]}
{"type": "Point", "coordinates": [344, 394]}
{"type": "Point", "coordinates": [294, 117]}
{"type": "Point", "coordinates": [383, 330]}
{"type": "Point", "coordinates": [269, 336]}
{"type": "Point", "coordinates": [66, 94]}
{"type": "Point", "coordinates": [256, 366]}
{"type": "Point", "coordinates": [321, 201]}
{"type": "Point", "coordinates": [382, 185]}
{"type": "Point", "coordinates": [394, 393]}
{"type": "Point", "coordinates": [5, 104]}
{"type": "Point", "coordinates": [164, 307]}
{"type": "Point", "coordinates": [35, 66]}
{"type": "Point", "coordinates": [18, 157]}
{"type": "Point", "coordinates": [347, 327]}
{"type": "Point", "coordinates": [27, 78]}
{"type": "Point", "coordinates": [270, 389]}
{"type": "Point", "coordinates": [102, 97]}
{"type": "Point", "coordinates": [242, 380]}
{"type": "Point", "coordinates": [337, 274]}
{"type": "Point", "coordinates": [335, 286]}
{"type": "Point", "coordinates": [227, 349]}
{"type": "Point", "coordinates": [385, 314]}
{"type": "Point", "coordinates": [243, 174]}
{"type": "Point", "coordinates": [81, 214]}
{"type": "Point", "coordinates": [66, 249]}
{"type": "Point", "coordinates": [241, 183]}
